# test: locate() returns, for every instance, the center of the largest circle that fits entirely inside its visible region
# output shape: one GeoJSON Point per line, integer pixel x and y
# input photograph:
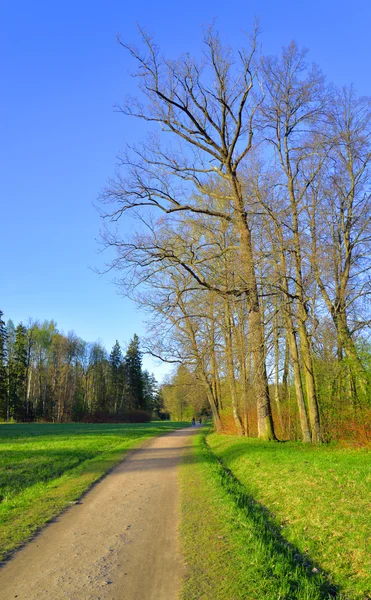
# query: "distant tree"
{"type": "Point", "coordinates": [134, 375]}
{"type": "Point", "coordinates": [43, 336]}
{"type": "Point", "coordinates": [98, 377]}
{"type": "Point", "coordinates": [18, 374]}
{"type": "Point", "coordinates": [3, 369]}
{"type": "Point", "coordinates": [152, 400]}
{"type": "Point", "coordinates": [158, 406]}
{"type": "Point", "coordinates": [185, 395]}
{"type": "Point", "coordinates": [116, 376]}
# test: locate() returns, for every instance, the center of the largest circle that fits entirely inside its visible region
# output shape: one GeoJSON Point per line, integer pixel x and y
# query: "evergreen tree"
{"type": "Point", "coordinates": [3, 369]}
{"type": "Point", "coordinates": [18, 374]}
{"type": "Point", "coordinates": [151, 395]}
{"type": "Point", "coordinates": [134, 375]}
{"type": "Point", "coordinates": [116, 377]}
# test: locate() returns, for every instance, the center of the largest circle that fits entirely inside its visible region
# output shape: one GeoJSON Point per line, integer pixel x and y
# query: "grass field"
{"type": "Point", "coordinates": [44, 467]}
{"type": "Point", "coordinates": [276, 521]}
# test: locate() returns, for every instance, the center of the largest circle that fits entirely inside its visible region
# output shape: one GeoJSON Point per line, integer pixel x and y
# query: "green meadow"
{"type": "Point", "coordinates": [45, 467]}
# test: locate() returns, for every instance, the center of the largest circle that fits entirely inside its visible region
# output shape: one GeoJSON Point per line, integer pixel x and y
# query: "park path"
{"type": "Point", "coordinates": [120, 542]}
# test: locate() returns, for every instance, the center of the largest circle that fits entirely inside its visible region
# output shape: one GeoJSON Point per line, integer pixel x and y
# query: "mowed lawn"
{"type": "Point", "coordinates": [45, 467]}
{"type": "Point", "coordinates": [276, 521]}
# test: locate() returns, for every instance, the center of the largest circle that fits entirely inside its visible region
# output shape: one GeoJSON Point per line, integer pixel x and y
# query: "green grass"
{"type": "Point", "coordinates": [44, 467]}
{"type": "Point", "coordinates": [275, 521]}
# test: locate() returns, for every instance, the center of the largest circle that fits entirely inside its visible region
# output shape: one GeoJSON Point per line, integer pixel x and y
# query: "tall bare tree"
{"type": "Point", "coordinates": [292, 112]}
{"type": "Point", "coordinates": [340, 224]}
{"type": "Point", "coordinates": [209, 107]}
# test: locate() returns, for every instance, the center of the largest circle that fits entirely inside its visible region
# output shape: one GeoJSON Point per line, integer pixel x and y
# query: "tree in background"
{"type": "Point", "coordinates": [134, 376]}
{"type": "Point", "coordinates": [98, 378]}
{"type": "Point", "coordinates": [184, 395]}
{"type": "Point", "coordinates": [47, 375]}
{"type": "Point", "coordinates": [18, 375]}
{"type": "Point", "coordinates": [3, 369]}
{"type": "Point", "coordinates": [152, 398]}
{"type": "Point", "coordinates": [116, 377]}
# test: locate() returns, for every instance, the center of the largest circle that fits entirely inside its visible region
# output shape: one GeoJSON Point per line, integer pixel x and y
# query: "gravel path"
{"type": "Point", "coordinates": [119, 543]}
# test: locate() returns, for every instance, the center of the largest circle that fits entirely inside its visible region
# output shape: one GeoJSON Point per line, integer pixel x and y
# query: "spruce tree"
{"type": "Point", "coordinates": [151, 395]}
{"type": "Point", "coordinates": [116, 376]}
{"type": "Point", "coordinates": [17, 374]}
{"type": "Point", "coordinates": [3, 369]}
{"type": "Point", "coordinates": [134, 375]}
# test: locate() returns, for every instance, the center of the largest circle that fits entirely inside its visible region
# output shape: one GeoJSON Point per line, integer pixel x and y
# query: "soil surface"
{"type": "Point", "coordinates": [120, 542]}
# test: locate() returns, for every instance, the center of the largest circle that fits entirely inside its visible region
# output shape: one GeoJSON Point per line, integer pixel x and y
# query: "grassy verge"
{"type": "Point", "coordinates": [275, 521]}
{"type": "Point", "coordinates": [320, 498]}
{"type": "Point", "coordinates": [44, 467]}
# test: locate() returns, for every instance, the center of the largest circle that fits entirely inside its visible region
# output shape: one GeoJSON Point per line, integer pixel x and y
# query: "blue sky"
{"type": "Point", "coordinates": [62, 72]}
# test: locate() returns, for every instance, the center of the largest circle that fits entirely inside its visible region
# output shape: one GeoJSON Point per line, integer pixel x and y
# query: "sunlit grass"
{"type": "Point", "coordinates": [275, 521]}
{"type": "Point", "coordinates": [232, 546]}
{"type": "Point", "coordinates": [319, 498]}
{"type": "Point", "coordinates": [44, 467]}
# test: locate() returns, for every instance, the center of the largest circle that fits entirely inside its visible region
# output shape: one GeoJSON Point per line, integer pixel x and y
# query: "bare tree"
{"type": "Point", "coordinates": [339, 219]}
{"type": "Point", "coordinates": [293, 110]}
{"type": "Point", "coordinates": [209, 107]}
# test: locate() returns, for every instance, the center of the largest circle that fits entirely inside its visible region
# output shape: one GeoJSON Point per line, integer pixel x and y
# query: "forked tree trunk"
{"type": "Point", "coordinates": [242, 359]}
{"type": "Point", "coordinates": [306, 350]}
{"type": "Point", "coordinates": [291, 342]}
{"type": "Point", "coordinates": [303, 415]}
{"type": "Point", "coordinates": [230, 367]}
{"type": "Point", "coordinates": [256, 329]}
{"type": "Point", "coordinates": [308, 368]}
{"type": "Point", "coordinates": [277, 367]}
{"type": "Point", "coordinates": [201, 368]}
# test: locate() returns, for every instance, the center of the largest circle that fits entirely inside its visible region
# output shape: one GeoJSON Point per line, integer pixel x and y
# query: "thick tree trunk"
{"type": "Point", "coordinates": [303, 415]}
{"type": "Point", "coordinates": [291, 344]}
{"type": "Point", "coordinates": [242, 358]}
{"type": "Point", "coordinates": [215, 381]}
{"type": "Point", "coordinates": [256, 329]}
{"type": "Point", "coordinates": [214, 409]}
{"type": "Point", "coordinates": [286, 367]}
{"type": "Point", "coordinates": [306, 353]}
{"type": "Point", "coordinates": [276, 368]}
{"type": "Point", "coordinates": [230, 367]}
{"type": "Point", "coordinates": [305, 347]}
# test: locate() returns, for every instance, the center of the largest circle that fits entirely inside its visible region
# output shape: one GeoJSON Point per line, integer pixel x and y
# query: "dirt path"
{"type": "Point", "coordinates": [119, 543]}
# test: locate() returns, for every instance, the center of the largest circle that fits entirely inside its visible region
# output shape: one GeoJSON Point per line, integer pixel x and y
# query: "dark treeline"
{"type": "Point", "coordinates": [46, 375]}
{"type": "Point", "coordinates": [253, 255]}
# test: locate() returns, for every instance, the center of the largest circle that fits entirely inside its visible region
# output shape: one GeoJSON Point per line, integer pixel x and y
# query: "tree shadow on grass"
{"type": "Point", "coordinates": [283, 560]}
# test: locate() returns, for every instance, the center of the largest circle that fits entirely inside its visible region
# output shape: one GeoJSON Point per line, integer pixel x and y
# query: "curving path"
{"type": "Point", "coordinates": [120, 542]}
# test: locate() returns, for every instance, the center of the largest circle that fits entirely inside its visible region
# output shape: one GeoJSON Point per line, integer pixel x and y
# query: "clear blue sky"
{"type": "Point", "coordinates": [61, 73]}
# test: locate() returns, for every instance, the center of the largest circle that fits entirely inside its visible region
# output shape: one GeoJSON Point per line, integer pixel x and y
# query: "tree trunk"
{"type": "Point", "coordinates": [256, 329]}
{"type": "Point", "coordinates": [305, 347]}
{"type": "Point", "coordinates": [230, 367]}
{"type": "Point", "coordinates": [276, 367]}
{"type": "Point", "coordinates": [291, 343]}
{"type": "Point", "coordinates": [242, 358]}
{"type": "Point", "coordinates": [303, 416]}
{"type": "Point", "coordinates": [307, 359]}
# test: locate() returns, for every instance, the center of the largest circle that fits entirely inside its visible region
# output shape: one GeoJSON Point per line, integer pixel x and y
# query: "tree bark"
{"type": "Point", "coordinates": [230, 367]}
{"type": "Point", "coordinates": [256, 330]}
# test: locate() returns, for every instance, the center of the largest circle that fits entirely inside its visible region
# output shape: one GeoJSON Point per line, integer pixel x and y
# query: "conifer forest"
{"type": "Point", "coordinates": [48, 376]}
